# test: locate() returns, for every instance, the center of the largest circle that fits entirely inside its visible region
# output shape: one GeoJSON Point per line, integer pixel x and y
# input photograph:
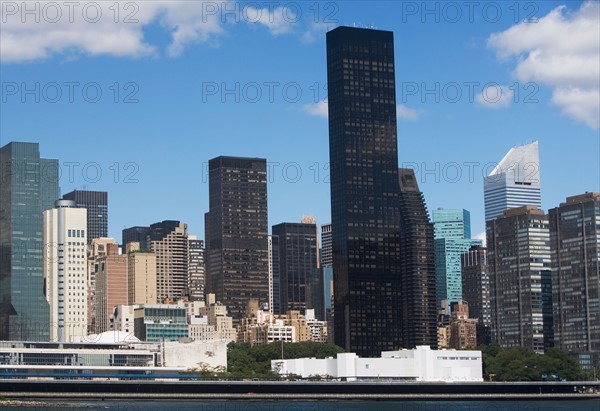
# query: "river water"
{"type": "Point", "coordinates": [554, 405]}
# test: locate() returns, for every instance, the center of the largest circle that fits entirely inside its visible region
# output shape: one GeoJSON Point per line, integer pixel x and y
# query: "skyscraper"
{"type": "Point", "coordinates": [28, 186]}
{"type": "Point", "coordinates": [138, 235]}
{"type": "Point", "coordinates": [237, 260]}
{"type": "Point", "coordinates": [514, 182]}
{"type": "Point", "coordinates": [417, 257]}
{"type": "Point", "coordinates": [65, 273]}
{"type": "Point", "coordinates": [519, 263]}
{"type": "Point", "coordinates": [274, 275]}
{"type": "Point", "coordinates": [298, 261]}
{"type": "Point", "coordinates": [327, 276]}
{"type": "Point", "coordinates": [141, 275]}
{"type": "Point", "coordinates": [452, 232]}
{"type": "Point", "coordinates": [476, 290]}
{"type": "Point", "coordinates": [365, 206]}
{"type": "Point", "coordinates": [112, 286]}
{"type": "Point", "coordinates": [169, 241]}
{"type": "Point", "coordinates": [96, 204]}
{"type": "Point", "coordinates": [575, 248]}
{"type": "Point", "coordinates": [196, 274]}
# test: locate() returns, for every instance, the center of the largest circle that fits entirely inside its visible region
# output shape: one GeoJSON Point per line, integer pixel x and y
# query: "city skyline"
{"type": "Point", "coordinates": [292, 137]}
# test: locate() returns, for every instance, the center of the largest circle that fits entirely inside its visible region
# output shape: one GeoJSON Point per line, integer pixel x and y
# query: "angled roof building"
{"type": "Point", "coordinates": [514, 182]}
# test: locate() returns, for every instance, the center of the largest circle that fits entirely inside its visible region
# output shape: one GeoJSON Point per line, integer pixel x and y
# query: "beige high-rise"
{"type": "Point", "coordinates": [141, 275]}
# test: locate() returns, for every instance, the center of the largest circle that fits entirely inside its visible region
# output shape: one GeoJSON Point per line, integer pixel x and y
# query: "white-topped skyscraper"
{"type": "Point", "coordinates": [514, 182]}
{"type": "Point", "coordinates": [65, 265]}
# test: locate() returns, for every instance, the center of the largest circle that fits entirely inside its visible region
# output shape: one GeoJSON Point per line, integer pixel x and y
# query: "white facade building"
{"type": "Point", "coordinates": [420, 364]}
{"type": "Point", "coordinates": [65, 270]}
{"type": "Point", "coordinates": [514, 182]}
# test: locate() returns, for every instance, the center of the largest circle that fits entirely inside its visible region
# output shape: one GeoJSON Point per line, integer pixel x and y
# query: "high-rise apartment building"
{"type": "Point", "coordinates": [141, 275]}
{"type": "Point", "coordinates": [169, 241]}
{"type": "Point", "coordinates": [28, 187]}
{"type": "Point", "coordinates": [65, 270]}
{"type": "Point", "coordinates": [417, 257]}
{"type": "Point", "coordinates": [326, 247]}
{"type": "Point", "coordinates": [237, 244]}
{"type": "Point", "coordinates": [514, 182]}
{"type": "Point", "coordinates": [519, 264]}
{"type": "Point", "coordinates": [274, 275]}
{"type": "Point", "coordinates": [575, 248]}
{"type": "Point", "coordinates": [476, 290]}
{"type": "Point", "coordinates": [96, 204]}
{"type": "Point", "coordinates": [96, 249]}
{"type": "Point", "coordinates": [196, 274]}
{"type": "Point", "coordinates": [364, 190]}
{"type": "Point", "coordinates": [298, 254]}
{"type": "Point", "coordinates": [111, 285]}
{"type": "Point", "coordinates": [452, 232]}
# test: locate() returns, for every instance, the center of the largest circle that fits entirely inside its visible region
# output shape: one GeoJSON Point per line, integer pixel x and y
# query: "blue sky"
{"type": "Point", "coordinates": [195, 82]}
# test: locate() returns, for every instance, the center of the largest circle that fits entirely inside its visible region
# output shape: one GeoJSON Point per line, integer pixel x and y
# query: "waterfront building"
{"type": "Point", "coordinates": [420, 364]}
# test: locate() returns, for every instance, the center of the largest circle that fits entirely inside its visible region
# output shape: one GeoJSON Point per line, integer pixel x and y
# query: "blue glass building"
{"type": "Point", "coordinates": [28, 186]}
{"type": "Point", "coordinates": [452, 231]}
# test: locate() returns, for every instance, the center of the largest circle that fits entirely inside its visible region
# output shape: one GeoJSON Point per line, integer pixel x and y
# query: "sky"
{"type": "Point", "coordinates": [134, 98]}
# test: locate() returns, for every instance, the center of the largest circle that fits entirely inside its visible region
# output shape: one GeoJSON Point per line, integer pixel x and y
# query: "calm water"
{"type": "Point", "coordinates": [587, 405]}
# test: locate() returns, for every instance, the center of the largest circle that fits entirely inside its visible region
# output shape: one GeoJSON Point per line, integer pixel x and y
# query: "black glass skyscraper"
{"type": "Point", "coordinates": [28, 186]}
{"type": "Point", "coordinates": [417, 255]}
{"type": "Point", "coordinates": [96, 203]}
{"type": "Point", "coordinates": [236, 233]}
{"type": "Point", "coordinates": [298, 265]}
{"type": "Point", "coordinates": [365, 205]}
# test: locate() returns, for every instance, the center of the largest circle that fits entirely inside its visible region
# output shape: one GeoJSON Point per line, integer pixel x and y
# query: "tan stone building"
{"type": "Point", "coordinates": [141, 275]}
{"type": "Point", "coordinates": [111, 285]}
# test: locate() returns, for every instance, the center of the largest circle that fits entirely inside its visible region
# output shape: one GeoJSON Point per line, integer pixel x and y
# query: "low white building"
{"type": "Point", "coordinates": [420, 364]}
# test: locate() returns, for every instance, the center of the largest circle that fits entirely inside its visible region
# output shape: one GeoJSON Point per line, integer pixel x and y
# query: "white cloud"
{"type": "Point", "coordinates": [482, 237]}
{"type": "Point", "coordinates": [316, 32]}
{"type": "Point", "coordinates": [86, 30]}
{"type": "Point", "coordinates": [279, 20]}
{"type": "Point", "coordinates": [561, 50]}
{"type": "Point", "coordinates": [319, 109]}
{"type": "Point", "coordinates": [495, 97]}
{"type": "Point", "coordinates": [406, 113]}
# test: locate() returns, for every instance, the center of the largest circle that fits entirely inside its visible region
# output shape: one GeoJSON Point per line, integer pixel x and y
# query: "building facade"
{"type": "Point", "coordinates": [237, 244]}
{"type": "Point", "coordinates": [575, 247]}
{"type": "Point", "coordinates": [141, 275]}
{"type": "Point", "coordinates": [28, 187]}
{"type": "Point", "coordinates": [420, 364]}
{"type": "Point", "coordinates": [514, 182]}
{"type": "Point", "coordinates": [169, 241]}
{"type": "Point", "coordinates": [274, 275]}
{"type": "Point", "coordinates": [365, 207]}
{"type": "Point", "coordinates": [138, 234]}
{"type": "Point", "coordinates": [452, 232]}
{"type": "Point", "coordinates": [96, 204]}
{"type": "Point", "coordinates": [298, 265]}
{"type": "Point", "coordinates": [65, 270]}
{"type": "Point", "coordinates": [519, 263]}
{"type": "Point", "coordinates": [476, 290]}
{"type": "Point", "coordinates": [111, 285]}
{"type": "Point", "coordinates": [417, 256]}
{"type": "Point", "coordinates": [196, 274]}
